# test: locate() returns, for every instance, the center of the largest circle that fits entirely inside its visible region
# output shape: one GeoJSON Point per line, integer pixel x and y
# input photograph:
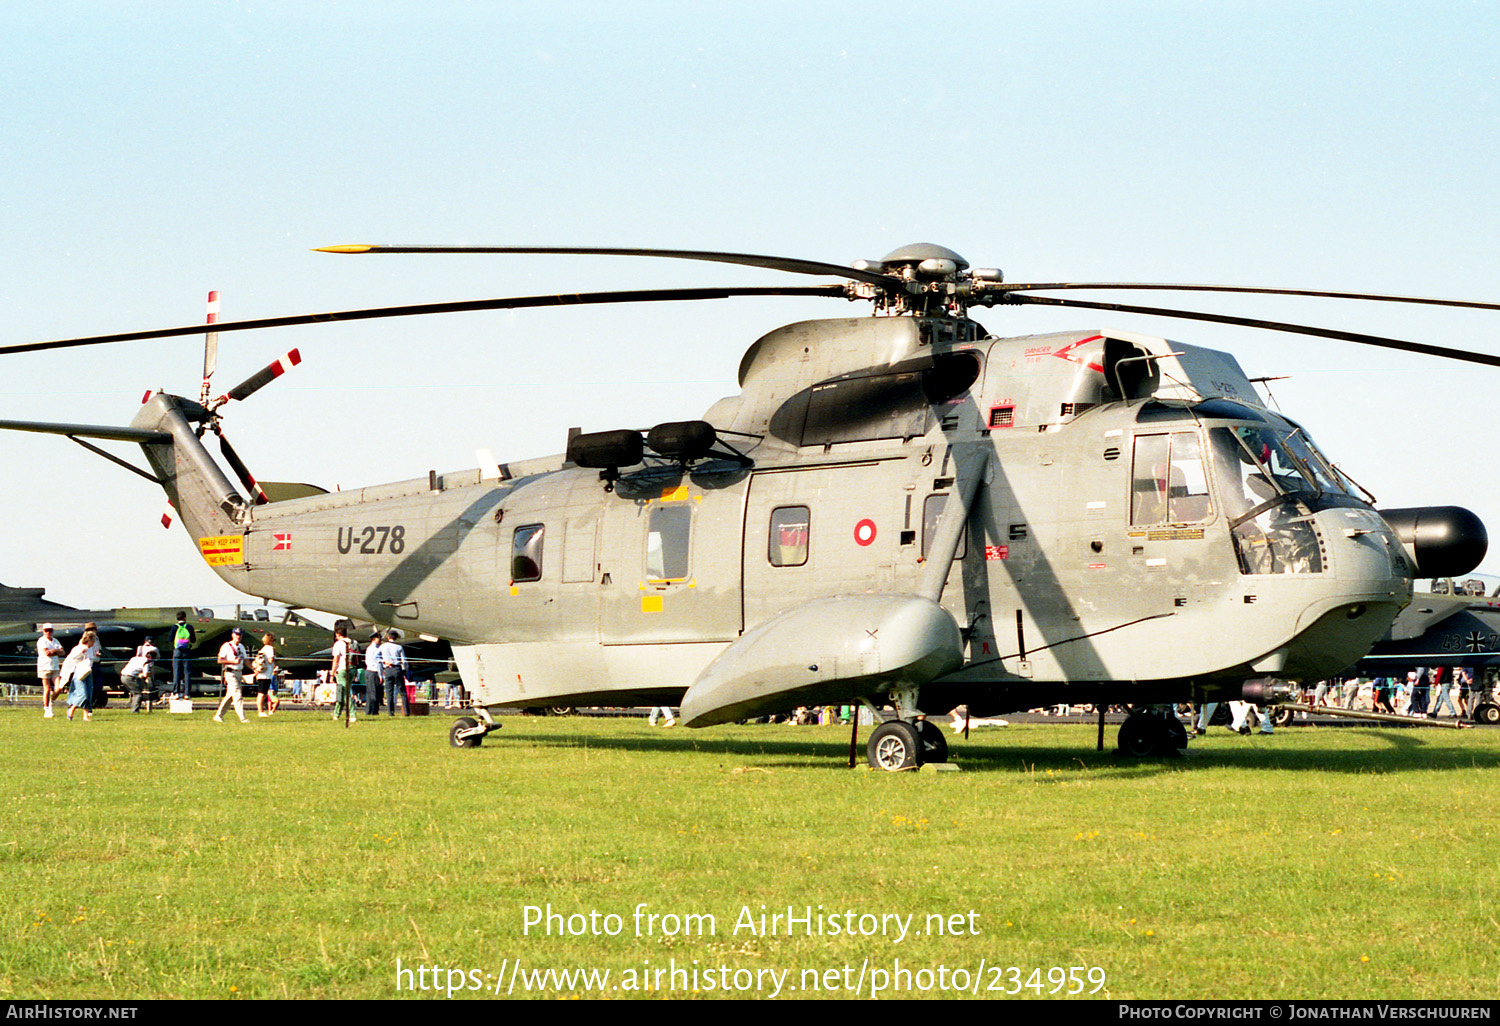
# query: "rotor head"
{"type": "Point", "coordinates": [925, 279]}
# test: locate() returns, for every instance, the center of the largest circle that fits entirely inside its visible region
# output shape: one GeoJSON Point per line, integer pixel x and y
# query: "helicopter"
{"type": "Point", "coordinates": [899, 509]}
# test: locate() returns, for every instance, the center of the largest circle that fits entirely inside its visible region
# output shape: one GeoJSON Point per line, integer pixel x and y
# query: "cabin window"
{"type": "Point", "coordinates": [787, 545]}
{"type": "Point", "coordinates": [667, 537]}
{"type": "Point", "coordinates": [932, 515]}
{"type": "Point", "coordinates": [526, 553]}
{"type": "Point", "coordinates": [1168, 485]}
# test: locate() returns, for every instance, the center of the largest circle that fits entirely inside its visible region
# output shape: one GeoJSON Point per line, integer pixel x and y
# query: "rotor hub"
{"type": "Point", "coordinates": [930, 280]}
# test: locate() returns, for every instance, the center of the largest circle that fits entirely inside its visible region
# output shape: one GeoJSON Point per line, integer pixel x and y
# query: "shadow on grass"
{"type": "Point", "coordinates": [1403, 750]}
{"type": "Point", "coordinates": [803, 754]}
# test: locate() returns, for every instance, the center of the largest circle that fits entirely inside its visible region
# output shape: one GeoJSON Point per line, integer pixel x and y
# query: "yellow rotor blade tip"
{"type": "Point", "coordinates": [343, 249]}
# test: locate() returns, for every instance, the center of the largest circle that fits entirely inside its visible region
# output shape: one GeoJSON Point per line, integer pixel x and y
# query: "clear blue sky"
{"type": "Point", "coordinates": [151, 152]}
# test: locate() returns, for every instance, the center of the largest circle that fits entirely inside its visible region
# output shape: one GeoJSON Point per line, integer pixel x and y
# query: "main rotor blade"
{"type": "Point", "coordinates": [467, 306]}
{"type": "Point", "coordinates": [1242, 289]}
{"type": "Point", "coordinates": [1251, 322]}
{"type": "Point", "coordinates": [791, 264]}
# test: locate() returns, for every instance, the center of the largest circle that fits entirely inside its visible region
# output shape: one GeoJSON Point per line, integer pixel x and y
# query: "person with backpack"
{"type": "Point", "coordinates": [183, 639]}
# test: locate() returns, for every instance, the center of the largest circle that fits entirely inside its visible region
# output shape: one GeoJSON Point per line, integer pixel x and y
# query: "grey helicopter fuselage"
{"type": "Point", "coordinates": [1125, 522]}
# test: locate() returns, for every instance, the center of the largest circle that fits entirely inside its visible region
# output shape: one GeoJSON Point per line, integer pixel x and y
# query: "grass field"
{"type": "Point", "coordinates": [161, 856]}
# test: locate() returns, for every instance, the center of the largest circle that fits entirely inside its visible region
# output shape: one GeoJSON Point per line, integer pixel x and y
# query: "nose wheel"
{"type": "Point", "coordinates": [903, 745]}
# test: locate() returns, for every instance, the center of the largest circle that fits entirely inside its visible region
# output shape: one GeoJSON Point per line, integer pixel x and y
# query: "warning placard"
{"type": "Point", "coordinates": [223, 550]}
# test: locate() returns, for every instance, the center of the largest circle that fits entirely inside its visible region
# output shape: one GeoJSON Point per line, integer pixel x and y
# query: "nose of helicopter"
{"type": "Point", "coordinates": [1365, 582]}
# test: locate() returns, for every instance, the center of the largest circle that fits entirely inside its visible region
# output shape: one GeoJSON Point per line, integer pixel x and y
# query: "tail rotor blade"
{"type": "Point", "coordinates": [210, 348]}
{"type": "Point", "coordinates": [261, 378]}
{"type": "Point", "coordinates": [257, 495]}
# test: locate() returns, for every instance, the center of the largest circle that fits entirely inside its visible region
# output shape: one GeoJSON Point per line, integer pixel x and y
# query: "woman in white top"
{"type": "Point", "coordinates": [77, 670]}
{"type": "Point", "coordinates": [266, 701]}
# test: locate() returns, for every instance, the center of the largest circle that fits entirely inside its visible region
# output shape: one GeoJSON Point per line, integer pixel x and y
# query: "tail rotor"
{"type": "Point", "coordinates": [257, 495]}
{"type": "Point", "coordinates": [210, 348]}
{"type": "Point", "coordinates": [240, 392]}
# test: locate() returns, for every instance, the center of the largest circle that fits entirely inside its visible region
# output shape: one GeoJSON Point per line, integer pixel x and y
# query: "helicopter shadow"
{"type": "Point", "coordinates": [1406, 751]}
{"type": "Point", "coordinates": [822, 753]}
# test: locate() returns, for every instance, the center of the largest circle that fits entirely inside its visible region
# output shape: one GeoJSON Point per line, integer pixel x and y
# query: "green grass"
{"type": "Point", "coordinates": [160, 856]}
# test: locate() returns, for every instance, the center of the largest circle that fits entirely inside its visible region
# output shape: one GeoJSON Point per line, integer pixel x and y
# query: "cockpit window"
{"type": "Point", "coordinates": [1325, 473]}
{"type": "Point", "coordinates": [1168, 485]}
{"type": "Point", "coordinates": [1256, 470]}
{"type": "Point", "coordinates": [1283, 460]}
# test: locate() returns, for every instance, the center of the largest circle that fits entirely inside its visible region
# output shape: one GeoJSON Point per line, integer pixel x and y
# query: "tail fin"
{"type": "Point", "coordinates": [208, 503]}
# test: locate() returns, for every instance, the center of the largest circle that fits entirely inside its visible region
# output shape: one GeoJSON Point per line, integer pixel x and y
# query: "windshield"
{"type": "Point", "coordinates": [1257, 466]}
{"type": "Point", "coordinates": [1259, 462]}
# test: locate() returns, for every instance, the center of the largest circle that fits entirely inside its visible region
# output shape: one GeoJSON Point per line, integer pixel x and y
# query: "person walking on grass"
{"type": "Point", "coordinates": [77, 675]}
{"type": "Point", "coordinates": [232, 659]}
{"type": "Point", "coordinates": [264, 668]}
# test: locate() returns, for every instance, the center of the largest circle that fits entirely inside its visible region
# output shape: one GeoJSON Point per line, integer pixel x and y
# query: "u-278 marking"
{"type": "Point", "coordinates": [372, 540]}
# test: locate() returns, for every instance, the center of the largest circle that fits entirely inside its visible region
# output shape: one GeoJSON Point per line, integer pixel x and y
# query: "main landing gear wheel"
{"type": "Point", "coordinates": [1487, 712]}
{"type": "Point", "coordinates": [461, 726]}
{"type": "Point", "coordinates": [934, 744]}
{"type": "Point", "coordinates": [1145, 734]}
{"type": "Point", "coordinates": [895, 745]}
{"type": "Point", "coordinates": [1177, 735]}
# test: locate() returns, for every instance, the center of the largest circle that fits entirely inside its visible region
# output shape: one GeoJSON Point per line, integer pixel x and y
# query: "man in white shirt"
{"type": "Point", "coordinates": [372, 676]}
{"type": "Point", "coordinates": [49, 653]}
{"type": "Point", "coordinates": [136, 676]}
{"type": "Point", "coordinates": [232, 659]}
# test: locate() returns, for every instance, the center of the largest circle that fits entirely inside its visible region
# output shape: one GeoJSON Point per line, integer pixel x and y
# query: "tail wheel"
{"type": "Point", "coordinates": [895, 745]}
{"type": "Point", "coordinates": [461, 725]}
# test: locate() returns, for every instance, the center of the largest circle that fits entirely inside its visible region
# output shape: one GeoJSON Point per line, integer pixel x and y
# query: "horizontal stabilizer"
{"type": "Point", "coordinates": [119, 434]}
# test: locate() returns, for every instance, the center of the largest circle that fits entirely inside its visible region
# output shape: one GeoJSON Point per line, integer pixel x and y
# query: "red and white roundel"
{"type": "Point", "coordinates": [864, 532]}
